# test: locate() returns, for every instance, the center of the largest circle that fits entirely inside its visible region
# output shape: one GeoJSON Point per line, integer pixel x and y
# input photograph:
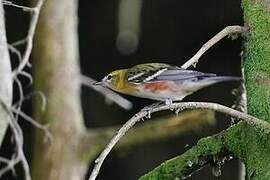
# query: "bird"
{"type": "Point", "coordinates": [160, 81]}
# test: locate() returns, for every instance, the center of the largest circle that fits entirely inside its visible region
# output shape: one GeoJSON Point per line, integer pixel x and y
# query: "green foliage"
{"type": "Point", "coordinates": [257, 58]}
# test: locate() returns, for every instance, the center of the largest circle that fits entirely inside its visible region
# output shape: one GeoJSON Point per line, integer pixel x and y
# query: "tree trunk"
{"type": "Point", "coordinates": [5, 75]}
{"type": "Point", "coordinates": [257, 57]}
{"type": "Point", "coordinates": [56, 74]}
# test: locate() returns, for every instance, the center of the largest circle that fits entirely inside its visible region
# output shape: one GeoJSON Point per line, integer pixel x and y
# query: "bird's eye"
{"type": "Point", "coordinates": [109, 77]}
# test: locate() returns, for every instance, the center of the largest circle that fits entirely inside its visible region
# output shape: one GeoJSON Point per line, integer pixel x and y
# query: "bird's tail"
{"type": "Point", "coordinates": [217, 79]}
{"type": "Point", "coordinates": [206, 81]}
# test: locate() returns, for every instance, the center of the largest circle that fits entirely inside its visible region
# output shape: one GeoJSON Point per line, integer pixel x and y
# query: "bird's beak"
{"type": "Point", "coordinates": [98, 83]}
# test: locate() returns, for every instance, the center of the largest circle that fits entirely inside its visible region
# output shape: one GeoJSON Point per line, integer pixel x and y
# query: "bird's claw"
{"type": "Point", "coordinates": [169, 103]}
{"type": "Point", "coordinates": [149, 109]}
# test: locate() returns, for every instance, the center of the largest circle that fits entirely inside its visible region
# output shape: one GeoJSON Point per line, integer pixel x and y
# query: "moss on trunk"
{"type": "Point", "coordinates": [257, 58]}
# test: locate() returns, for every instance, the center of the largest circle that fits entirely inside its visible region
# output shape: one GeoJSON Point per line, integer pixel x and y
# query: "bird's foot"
{"type": "Point", "coordinates": [169, 103]}
{"type": "Point", "coordinates": [149, 109]}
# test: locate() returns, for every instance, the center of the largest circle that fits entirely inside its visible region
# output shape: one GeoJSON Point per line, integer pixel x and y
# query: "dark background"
{"type": "Point", "coordinates": [170, 31]}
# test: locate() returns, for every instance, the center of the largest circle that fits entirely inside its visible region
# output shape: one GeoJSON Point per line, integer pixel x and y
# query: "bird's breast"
{"type": "Point", "coordinates": [160, 90]}
{"type": "Point", "coordinates": [158, 86]}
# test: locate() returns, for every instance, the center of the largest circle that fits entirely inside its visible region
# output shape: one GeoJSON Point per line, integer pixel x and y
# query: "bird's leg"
{"type": "Point", "coordinates": [169, 102]}
{"type": "Point", "coordinates": [150, 108]}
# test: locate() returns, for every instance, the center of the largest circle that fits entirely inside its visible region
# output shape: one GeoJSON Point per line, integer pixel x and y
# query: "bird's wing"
{"type": "Point", "coordinates": [145, 72]}
{"type": "Point", "coordinates": [160, 72]}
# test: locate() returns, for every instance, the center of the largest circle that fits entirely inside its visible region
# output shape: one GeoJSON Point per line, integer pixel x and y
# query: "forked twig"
{"type": "Point", "coordinates": [29, 38]}
{"type": "Point", "coordinates": [229, 30]}
{"type": "Point", "coordinates": [15, 111]}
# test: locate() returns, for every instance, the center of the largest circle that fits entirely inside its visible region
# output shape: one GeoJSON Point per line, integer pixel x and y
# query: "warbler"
{"type": "Point", "coordinates": [159, 81]}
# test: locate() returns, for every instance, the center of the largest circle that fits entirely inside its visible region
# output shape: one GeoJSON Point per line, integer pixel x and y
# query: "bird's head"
{"type": "Point", "coordinates": [112, 80]}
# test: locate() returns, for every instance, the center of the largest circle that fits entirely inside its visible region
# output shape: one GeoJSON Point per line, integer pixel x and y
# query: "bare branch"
{"type": "Point", "coordinates": [4, 160]}
{"type": "Point", "coordinates": [18, 136]}
{"type": "Point", "coordinates": [24, 8]}
{"type": "Point", "coordinates": [29, 38]}
{"type": "Point", "coordinates": [19, 42]}
{"type": "Point", "coordinates": [27, 75]}
{"type": "Point", "coordinates": [44, 128]}
{"type": "Point", "coordinates": [16, 51]}
{"type": "Point", "coordinates": [14, 111]}
{"type": "Point", "coordinates": [229, 30]}
{"type": "Point", "coordinates": [178, 107]}
{"type": "Point", "coordinates": [155, 130]}
{"type": "Point", "coordinates": [19, 155]}
{"type": "Point", "coordinates": [166, 127]}
{"type": "Point", "coordinates": [109, 94]}
{"type": "Point", "coordinates": [21, 94]}
{"type": "Point", "coordinates": [32, 94]}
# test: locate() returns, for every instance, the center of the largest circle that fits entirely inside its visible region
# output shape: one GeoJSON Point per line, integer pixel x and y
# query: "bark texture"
{"type": "Point", "coordinates": [56, 74]}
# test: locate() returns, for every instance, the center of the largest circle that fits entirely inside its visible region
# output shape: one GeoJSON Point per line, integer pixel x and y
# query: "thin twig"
{"type": "Point", "coordinates": [39, 94]}
{"type": "Point", "coordinates": [24, 8]}
{"type": "Point", "coordinates": [229, 30]}
{"type": "Point", "coordinates": [15, 111]}
{"type": "Point", "coordinates": [109, 94]}
{"type": "Point", "coordinates": [29, 38]}
{"type": "Point", "coordinates": [21, 94]}
{"type": "Point", "coordinates": [27, 75]}
{"type": "Point", "coordinates": [15, 51]}
{"type": "Point", "coordinates": [44, 128]}
{"type": "Point", "coordinates": [18, 136]}
{"type": "Point", "coordinates": [177, 106]}
{"type": "Point", "coordinates": [25, 165]}
{"type": "Point", "coordinates": [19, 155]}
{"type": "Point", "coordinates": [19, 42]}
{"type": "Point", "coordinates": [4, 160]}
